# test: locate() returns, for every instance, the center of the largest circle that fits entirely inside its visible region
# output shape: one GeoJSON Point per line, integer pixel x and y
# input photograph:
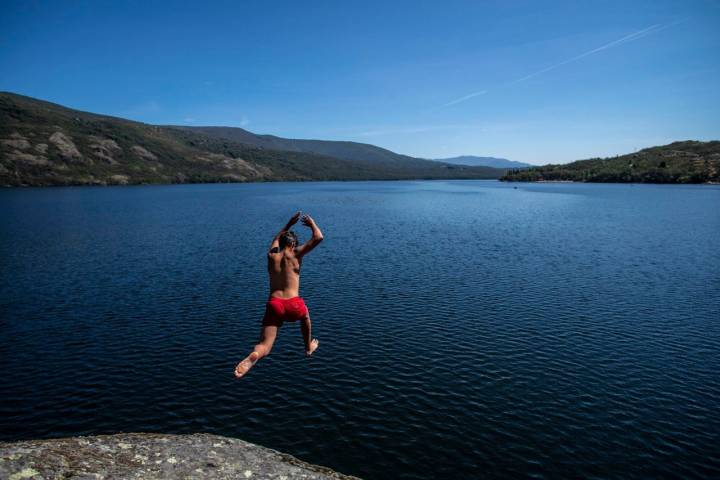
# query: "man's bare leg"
{"type": "Point", "coordinates": [262, 349]}
{"type": "Point", "coordinates": [311, 344]}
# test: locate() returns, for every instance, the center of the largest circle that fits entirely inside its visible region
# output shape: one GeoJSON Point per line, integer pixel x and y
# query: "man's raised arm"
{"type": "Point", "coordinates": [275, 245]}
{"type": "Point", "coordinates": [314, 241]}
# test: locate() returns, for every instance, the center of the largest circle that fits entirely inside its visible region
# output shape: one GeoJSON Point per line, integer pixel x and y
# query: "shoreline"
{"type": "Point", "coordinates": [129, 185]}
{"type": "Point", "coordinates": [102, 185]}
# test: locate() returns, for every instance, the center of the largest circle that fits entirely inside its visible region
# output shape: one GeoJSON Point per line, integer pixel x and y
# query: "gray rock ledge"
{"type": "Point", "coordinates": [152, 456]}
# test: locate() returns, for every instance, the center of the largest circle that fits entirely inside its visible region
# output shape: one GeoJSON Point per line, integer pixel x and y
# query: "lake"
{"type": "Point", "coordinates": [468, 329]}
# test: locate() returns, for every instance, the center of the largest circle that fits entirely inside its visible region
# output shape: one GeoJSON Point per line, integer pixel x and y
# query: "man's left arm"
{"type": "Point", "coordinates": [275, 245]}
{"type": "Point", "coordinates": [317, 237]}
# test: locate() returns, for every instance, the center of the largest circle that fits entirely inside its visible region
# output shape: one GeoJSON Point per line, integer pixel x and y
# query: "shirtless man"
{"type": "Point", "coordinates": [284, 305]}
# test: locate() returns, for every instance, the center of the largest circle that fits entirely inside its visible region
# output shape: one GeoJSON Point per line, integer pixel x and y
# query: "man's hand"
{"type": "Point", "coordinates": [308, 221]}
{"type": "Point", "coordinates": [316, 238]}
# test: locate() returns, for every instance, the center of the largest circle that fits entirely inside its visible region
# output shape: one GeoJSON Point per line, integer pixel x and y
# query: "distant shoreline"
{"type": "Point", "coordinates": [609, 183]}
{"type": "Point", "coordinates": [254, 182]}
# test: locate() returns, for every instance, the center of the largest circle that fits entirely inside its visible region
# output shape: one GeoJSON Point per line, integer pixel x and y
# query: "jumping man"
{"type": "Point", "coordinates": [284, 305]}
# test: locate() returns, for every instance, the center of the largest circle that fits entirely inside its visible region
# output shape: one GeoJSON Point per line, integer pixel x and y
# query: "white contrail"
{"type": "Point", "coordinates": [619, 41]}
{"type": "Point", "coordinates": [627, 38]}
{"type": "Point", "coordinates": [466, 97]}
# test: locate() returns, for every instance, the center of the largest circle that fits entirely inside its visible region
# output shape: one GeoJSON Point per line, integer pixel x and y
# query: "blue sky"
{"type": "Point", "coordinates": [532, 81]}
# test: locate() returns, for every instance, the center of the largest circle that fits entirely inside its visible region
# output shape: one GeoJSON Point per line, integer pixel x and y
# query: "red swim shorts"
{"type": "Point", "coordinates": [279, 310]}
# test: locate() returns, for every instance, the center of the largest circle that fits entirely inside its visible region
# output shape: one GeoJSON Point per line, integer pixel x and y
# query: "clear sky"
{"type": "Point", "coordinates": [535, 81]}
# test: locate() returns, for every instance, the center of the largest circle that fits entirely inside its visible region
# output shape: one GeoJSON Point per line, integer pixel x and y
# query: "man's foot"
{"type": "Point", "coordinates": [313, 346]}
{"type": "Point", "coordinates": [245, 366]}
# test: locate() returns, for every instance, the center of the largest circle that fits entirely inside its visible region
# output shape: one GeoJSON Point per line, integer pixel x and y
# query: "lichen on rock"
{"type": "Point", "coordinates": [145, 455]}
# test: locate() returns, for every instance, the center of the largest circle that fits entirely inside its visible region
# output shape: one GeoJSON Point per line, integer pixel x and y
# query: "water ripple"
{"type": "Point", "coordinates": [468, 329]}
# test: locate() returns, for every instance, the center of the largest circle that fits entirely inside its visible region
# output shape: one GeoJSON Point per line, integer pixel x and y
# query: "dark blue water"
{"type": "Point", "coordinates": [467, 329]}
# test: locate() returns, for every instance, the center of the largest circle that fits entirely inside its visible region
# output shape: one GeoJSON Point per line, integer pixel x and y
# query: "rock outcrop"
{"type": "Point", "coordinates": [152, 456]}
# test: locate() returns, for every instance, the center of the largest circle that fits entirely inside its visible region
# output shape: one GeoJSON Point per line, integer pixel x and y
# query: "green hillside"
{"type": "Point", "coordinates": [362, 152]}
{"type": "Point", "coordinates": [678, 162]}
{"type": "Point", "coordinates": [42, 143]}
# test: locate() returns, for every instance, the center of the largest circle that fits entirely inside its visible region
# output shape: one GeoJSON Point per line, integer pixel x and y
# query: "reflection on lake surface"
{"type": "Point", "coordinates": [468, 329]}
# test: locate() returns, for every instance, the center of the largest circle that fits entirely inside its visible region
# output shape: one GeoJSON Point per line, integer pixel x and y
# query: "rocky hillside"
{"type": "Point", "coordinates": [42, 143]}
{"type": "Point", "coordinates": [679, 162]}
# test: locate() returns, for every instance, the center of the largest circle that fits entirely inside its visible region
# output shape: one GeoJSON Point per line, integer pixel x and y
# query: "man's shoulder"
{"type": "Point", "coordinates": [281, 254]}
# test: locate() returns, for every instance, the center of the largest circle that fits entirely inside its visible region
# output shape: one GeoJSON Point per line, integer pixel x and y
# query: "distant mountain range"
{"type": "Point", "coordinates": [679, 162]}
{"type": "Point", "coordinates": [43, 143]}
{"type": "Point", "coordinates": [494, 162]}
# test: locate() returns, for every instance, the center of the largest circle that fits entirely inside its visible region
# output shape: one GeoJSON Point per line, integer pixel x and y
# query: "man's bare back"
{"type": "Point", "coordinates": [284, 270]}
{"type": "Point", "coordinates": [285, 304]}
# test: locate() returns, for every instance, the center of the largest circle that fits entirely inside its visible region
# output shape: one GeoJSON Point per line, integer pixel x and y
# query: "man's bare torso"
{"type": "Point", "coordinates": [284, 271]}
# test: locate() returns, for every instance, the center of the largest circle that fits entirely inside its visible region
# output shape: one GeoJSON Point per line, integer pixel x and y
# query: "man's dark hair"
{"type": "Point", "coordinates": [288, 238]}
